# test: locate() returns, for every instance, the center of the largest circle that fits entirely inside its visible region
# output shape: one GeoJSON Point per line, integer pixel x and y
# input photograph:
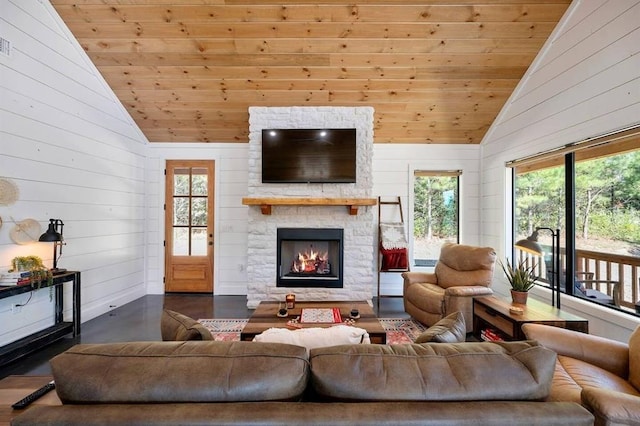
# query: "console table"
{"type": "Point", "coordinates": [60, 328]}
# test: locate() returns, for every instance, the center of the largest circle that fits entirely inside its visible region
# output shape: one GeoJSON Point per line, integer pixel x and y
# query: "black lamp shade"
{"type": "Point", "coordinates": [51, 235]}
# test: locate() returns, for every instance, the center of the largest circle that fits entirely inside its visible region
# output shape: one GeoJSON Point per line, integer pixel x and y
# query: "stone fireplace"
{"type": "Point", "coordinates": [309, 257]}
{"type": "Point", "coordinates": [358, 230]}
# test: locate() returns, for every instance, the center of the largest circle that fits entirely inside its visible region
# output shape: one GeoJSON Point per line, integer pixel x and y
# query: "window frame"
{"type": "Point", "coordinates": [422, 172]}
{"type": "Point", "coordinates": [610, 144]}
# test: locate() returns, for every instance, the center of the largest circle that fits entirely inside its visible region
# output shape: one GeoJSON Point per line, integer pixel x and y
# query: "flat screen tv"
{"type": "Point", "coordinates": [309, 155]}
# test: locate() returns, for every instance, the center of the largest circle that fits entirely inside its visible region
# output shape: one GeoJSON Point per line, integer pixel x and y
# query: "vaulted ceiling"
{"type": "Point", "coordinates": [434, 71]}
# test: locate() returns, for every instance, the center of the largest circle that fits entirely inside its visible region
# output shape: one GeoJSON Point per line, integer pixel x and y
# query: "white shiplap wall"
{"type": "Point", "coordinates": [585, 82]}
{"type": "Point", "coordinates": [230, 216]}
{"type": "Point", "coordinates": [393, 167]}
{"type": "Point", "coordinates": [75, 154]}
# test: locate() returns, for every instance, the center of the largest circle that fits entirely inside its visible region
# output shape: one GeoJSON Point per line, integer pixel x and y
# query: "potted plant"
{"type": "Point", "coordinates": [521, 277]}
{"type": "Point", "coordinates": [33, 264]}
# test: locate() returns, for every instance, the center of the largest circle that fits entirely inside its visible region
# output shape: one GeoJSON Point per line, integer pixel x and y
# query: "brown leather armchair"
{"type": "Point", "coordinates": [601, 374]}
{"type": "Point", "coordinates": [462, 272]}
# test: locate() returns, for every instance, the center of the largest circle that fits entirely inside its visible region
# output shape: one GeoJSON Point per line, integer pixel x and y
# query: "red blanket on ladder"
{"type": "Point", "coordinates": [394, 259]}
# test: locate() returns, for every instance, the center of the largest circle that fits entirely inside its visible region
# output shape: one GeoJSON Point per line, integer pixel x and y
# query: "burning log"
{"type": "Point", "coordinates": [311, 262]}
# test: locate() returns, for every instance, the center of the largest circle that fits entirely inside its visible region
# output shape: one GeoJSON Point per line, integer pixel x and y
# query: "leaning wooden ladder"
{"type": "Point", "coordinates": [403, 253]}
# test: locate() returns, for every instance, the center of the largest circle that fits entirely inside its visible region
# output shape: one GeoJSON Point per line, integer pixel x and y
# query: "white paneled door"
{"type": "Point", "coordinates": [189, 226]}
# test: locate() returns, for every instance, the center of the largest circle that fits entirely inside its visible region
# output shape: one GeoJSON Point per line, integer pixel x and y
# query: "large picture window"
{"type": "Point", "coordinates": [435, 213]}
{"type": "Point", "coordinates": [540, 203]}
{"type": "Point", "coordinates": [591, 194]}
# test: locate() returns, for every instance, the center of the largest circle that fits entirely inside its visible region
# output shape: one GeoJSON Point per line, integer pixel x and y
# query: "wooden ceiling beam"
{"type": "Point", "coordinates": [312, 30]}
{"type": "Point", "coordinates": [363, 12]}
{"type": "Point", "coordinates": [320, 73]}
{"type": "Point", "coordinates": [228, 46]}
{"type": "Point", "coordinates": [146, 83]}
{"type": "Point", "coordinates": [470, 102]}
{"type": "Point", "coordinates": [357, 60]}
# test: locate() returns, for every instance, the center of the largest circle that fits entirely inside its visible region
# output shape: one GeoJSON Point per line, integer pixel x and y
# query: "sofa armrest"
{"type": "Point", "coordinates": [608, 354]}
{"type": "Point", "coordinates": [468, 291]}
{"type": "Point", "coordinates": [611, 407]}
{"type": "Point", "coordinates": [411, 278]}
{"type": "Point", "coordinates": [419, 277]}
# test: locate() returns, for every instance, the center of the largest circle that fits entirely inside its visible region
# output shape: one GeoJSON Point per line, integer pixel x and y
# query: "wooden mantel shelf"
{"type": "Point", "coordinates": [352, 203]}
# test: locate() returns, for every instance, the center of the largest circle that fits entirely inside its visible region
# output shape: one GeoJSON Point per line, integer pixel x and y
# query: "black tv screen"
{"type": "Point", "coordinates": [309, 155]}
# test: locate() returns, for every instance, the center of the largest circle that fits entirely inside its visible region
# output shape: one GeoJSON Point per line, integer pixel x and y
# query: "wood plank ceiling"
{"type": "Point", "coordinates": [434, 71]}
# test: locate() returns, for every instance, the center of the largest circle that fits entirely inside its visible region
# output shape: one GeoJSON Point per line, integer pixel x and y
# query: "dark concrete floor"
{"type": "Point", "coordinates": [140, 321]}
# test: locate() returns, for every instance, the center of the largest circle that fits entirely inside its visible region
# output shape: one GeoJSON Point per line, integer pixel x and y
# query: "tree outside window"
{"type": "Point", "coordinates": [606, 213]}
{"type": "Point", "coordinates": [435, 214]}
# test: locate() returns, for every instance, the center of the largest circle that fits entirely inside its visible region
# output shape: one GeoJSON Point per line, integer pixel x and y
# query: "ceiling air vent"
{"type": "Point", "coordinates": [5, 47]}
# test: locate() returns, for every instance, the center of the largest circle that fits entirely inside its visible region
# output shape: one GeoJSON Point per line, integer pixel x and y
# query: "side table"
{"type": "Point", "coordinates": [493, 313]}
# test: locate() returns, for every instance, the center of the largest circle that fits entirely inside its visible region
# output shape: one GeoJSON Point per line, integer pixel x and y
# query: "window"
{"type": "Point", "coordinates": [607, 237]}
{"type": "Point", "coordinates": [435, 213]}
{"type": "Point", "coordinates": [539, 202]}
{"type": "Point", "coordinates": [591, 193]}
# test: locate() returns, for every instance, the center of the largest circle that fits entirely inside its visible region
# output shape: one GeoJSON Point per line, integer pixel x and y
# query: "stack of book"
{"type": "Point", "coordinates": [490, 335]}
{"type": "Point", "coordinates": [15, 278]}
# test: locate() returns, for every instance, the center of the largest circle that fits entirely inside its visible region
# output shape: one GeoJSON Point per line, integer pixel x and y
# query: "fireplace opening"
{"type": "Point", "coordinates": [309, 257]}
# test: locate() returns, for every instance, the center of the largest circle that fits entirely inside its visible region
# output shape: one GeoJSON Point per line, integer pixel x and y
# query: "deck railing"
{"type": "Point", "coordinates": [604, 267]}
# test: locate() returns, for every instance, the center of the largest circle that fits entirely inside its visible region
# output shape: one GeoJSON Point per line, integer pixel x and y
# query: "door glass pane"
{"type": "Point", "coordinates": [181, 181]}
{"type": "Point", "coordinates": [190, 215]}
{"type": "Point", "coordinates": [435, 216]}
{"type": "Point", "coordinates": [198, 241]}
{"type": "Point", "coordinates": [180, 242]}
{"type": "Point", "coordinates": [199, 181]}
{"type": "Point", "coordinates": [199, 212]}
{"type": "Point", "coordinates": [181, 211]}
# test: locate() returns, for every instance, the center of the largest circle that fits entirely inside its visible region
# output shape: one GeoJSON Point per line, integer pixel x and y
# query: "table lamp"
{"type": "Point", "coordinates": [54, 235]}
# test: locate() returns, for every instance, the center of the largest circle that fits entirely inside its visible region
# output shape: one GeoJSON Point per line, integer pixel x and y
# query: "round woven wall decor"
{"type": "Point", "coordinates": [26, 231]}
{"type": "Point", "coordinates": [8, 192]}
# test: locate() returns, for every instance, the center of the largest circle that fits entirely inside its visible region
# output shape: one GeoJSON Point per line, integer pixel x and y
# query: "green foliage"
{"type": "Point", "coordinates": [540, 199]}
{"type": "Point", "coordinates": [39, 273]}
{"type": "Point", "coordinates": [607, 194]}
{"type": "Point", "coordinates": [620, 225]}
{"type": "Point", "coordinates": [521, 277]}
{"type": "Point", "coordinates": [436, 207]}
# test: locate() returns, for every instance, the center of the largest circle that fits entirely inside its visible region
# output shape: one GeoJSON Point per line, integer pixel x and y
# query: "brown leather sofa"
{"type": "Point", "coordinates": [462, 273]}
{"type": "Point", "coordinates": [196, 382]}
{"type": "Point", "coordinates": [601, 374]}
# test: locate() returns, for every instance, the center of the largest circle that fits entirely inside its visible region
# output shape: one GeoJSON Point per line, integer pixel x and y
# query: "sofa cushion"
{"type": "Point", "coordinates": [433, 371]}
{"type": "Point", "coordinates": [165, 372]}
{"type": "Point", "coordinates": [315, 337]}
{"type": "Point", "coordinates": [177, 326]}
{"type": "Point", "coordinates": [634, 358]}
{"type": "Point", "coordinates": [450, 329]}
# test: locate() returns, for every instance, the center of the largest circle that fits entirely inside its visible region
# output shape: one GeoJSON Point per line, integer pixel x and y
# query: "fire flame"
{"type": "Point", "coordinates": [309, 261]}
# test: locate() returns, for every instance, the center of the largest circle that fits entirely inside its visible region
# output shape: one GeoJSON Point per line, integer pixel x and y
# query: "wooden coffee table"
{"type": "Point", "coordinates": [14, 388]}
{"type": "Point", "coordinates": [264, 317]}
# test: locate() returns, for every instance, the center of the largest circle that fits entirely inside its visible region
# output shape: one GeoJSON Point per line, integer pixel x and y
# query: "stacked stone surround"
{"type": "Point", "coordinates": [359, 230]}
